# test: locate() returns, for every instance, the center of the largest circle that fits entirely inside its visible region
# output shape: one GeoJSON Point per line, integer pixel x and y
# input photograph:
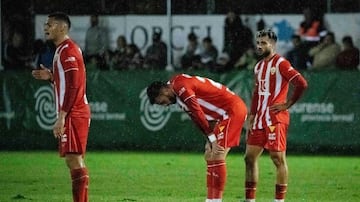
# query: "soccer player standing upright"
{"type": "Point", "coordinates": [269, 116]}
{"type": "Point", "coordinates": [69, 82]}
{"type": "Point", "coordinates": [216, 110]}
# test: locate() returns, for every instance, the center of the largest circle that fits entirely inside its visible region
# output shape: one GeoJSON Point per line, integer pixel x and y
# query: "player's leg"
{"type": "Point", "coordinates": [277, 151]}
{"type": "Point", "coordinates": [73, 148]}
{"type": "Point", "coordinates": [256, 140]}
{"type": "Point", "coordinates": [216, 174]}
{"type": "Point", "coordinates": [79, 176]}
{"type": "Point", "coordinates": [252, 155]}
{"type": "Point", "coordinates": [279, 160]}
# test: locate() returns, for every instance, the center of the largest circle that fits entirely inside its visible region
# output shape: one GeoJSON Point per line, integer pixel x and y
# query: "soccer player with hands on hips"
{"type": "Point", "coordinates": [73, 112]}
{"type": "Point", "coordinates": [269, 116]}
{"type": "Point", "coordinates": [216, 110]}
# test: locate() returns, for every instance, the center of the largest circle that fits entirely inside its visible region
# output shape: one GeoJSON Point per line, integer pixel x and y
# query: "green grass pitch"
{"type": "Point", "coordinates": [171, 177]}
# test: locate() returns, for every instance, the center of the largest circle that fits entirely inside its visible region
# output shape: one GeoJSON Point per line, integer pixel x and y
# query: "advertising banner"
{"type": "Point", "coordinates": [325, 119]}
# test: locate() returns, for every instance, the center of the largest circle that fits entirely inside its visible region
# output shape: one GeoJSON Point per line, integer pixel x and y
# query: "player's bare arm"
{"type": "Point", "coordinates": [59, 128]}
{"type": "Point", "coordinates": [300, 86]}
{"type": "Point", "coordinates": [278, 107]}
{"type": "Point", "coordinates": [249, 122]}
{"type": "Point", "coordinates": [42, 74]}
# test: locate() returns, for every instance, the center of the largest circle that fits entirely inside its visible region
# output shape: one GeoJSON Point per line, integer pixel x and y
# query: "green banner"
{"type": "Point", "coordinates": [325, 119]}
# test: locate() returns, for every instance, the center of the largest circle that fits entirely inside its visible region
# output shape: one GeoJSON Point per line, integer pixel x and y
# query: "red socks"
{"type": "Point", "coordinates": [250, 190]}
{"type": "Point", "coordinates": [216, 179]}
{"type": "Point", "coordinates": [80, 182]}
{"type": "Point", "coordinates": [280, 191]}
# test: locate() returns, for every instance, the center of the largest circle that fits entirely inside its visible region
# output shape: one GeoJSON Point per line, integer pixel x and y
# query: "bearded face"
{"type": "Point", "coordinates": [264, 46]}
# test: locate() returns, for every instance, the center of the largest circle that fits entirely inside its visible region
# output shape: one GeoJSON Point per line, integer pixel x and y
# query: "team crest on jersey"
{"type": "Point", "coordinates": [272, 70]}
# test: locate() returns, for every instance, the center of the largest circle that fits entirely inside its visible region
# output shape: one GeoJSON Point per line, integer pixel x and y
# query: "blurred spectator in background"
{"type": "Point", "coordinates": [324, 54]}
{"type": "Point", "coordinates": [192, 52]}
{"type": "Point", "coordinates": [120, 50]}
{"type": "Point", "coordinates": [43, 53]}
{"type": "Point", "coordinates": [132, 59]}
{"type": "Point", "coordinates": [247, 60]}
{"type": "Point", "coordinates": [208, 55]}
{"type": "Point", "coordinates": [298, 55]}
{"type": "Point", "coordinates": [237, 37]}
{"type": "Point", "coordinates": [121, 44]}
{"type": "Point", "coordinates": [312, 28]}
{"type": "Point", "coordinates": [222, 63]}
{"type": "Point", "coordinates": [348, 58]}
{"type": "Point", "coordinates": [156, 53]}
{"type": "Point", "coordinates": [16, 54]}
{"type": "Point", "coordinates": [96, 43]}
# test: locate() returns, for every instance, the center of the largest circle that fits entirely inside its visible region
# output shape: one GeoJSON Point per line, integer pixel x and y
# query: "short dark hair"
{"type": "Point", "coordinates": [207, 39]}
{"type": "Point", "coordinates": [192, 36]}
{"type": "Point", "coordinates": [271, 34]}
{"type": "Point", "coordinates": [347, 39]}
{"type": "Point", "coordinates": [153, 90]}
{"type": "Point", "coordinates": [61, 17]}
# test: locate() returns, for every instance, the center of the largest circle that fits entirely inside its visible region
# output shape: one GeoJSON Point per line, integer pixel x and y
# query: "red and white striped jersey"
{"type": "Point", "coordinates": [272, 79]}
{"type": "Point", "coordinates": [204, 99]}
{"type": "Point", "coordinates": [69, 73]}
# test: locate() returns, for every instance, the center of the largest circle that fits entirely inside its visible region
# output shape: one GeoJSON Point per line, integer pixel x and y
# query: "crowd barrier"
{"type": "Point", "coordinates": [325, 120]}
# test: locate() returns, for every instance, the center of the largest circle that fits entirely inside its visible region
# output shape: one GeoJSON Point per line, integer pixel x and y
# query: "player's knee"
{"type": "Point", "coordinates": [278, 160]}
{"type": "Point", "coordinates": [74, 161]}
{"type": "Point", "coordinates": [248, 160]}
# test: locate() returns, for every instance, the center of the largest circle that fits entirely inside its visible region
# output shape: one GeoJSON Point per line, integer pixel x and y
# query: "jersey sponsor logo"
{"type": "Point", "coordinates": [45, 108]}
{"type": "Point", "coordinates": [220, 136]}
{"type": "Point", "coordinates": [181, 91]}
{"type": "Point", "coordinates": [64, 138]}
{"type": "Point", "coordinates": [272, 136]}
{"type": "Point", "coordinates": [70, 59]}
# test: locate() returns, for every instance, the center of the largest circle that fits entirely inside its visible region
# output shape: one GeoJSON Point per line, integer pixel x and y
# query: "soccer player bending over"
{"type": "Point", "coordinates": [269, 115]}
{"type": "Point", "coordinates": [69, 82]}
{"type": "Point", "coordinates": [217, 111]}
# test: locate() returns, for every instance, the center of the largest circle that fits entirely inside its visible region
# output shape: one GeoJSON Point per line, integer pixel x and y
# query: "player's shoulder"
{"type": "Point", "coordinates": [70, 47]}
{"type": "Point", "coordinates": [282, 62]}
{"type": "Point", "coordinates": [180, 78]}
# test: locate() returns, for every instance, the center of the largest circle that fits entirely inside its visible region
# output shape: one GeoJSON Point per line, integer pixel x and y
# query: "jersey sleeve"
{"type": "Point", "coordinates": [69, 59]}
{"type": "Point", "coordinates": [287, 71]}
{"type": "Point", "coordinates": [72, 82]}
{"type": "Point", "coordinates": [295, 78]}
{"type": "Point", "coordinates": [186, 94]}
